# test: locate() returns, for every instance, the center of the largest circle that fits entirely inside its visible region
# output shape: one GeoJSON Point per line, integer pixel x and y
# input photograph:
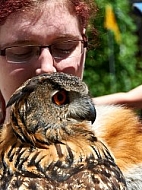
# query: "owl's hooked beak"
{"type": "Point", "coordinates": [83, 110]}
{"type": "Point", "coordinates": [92, 114]}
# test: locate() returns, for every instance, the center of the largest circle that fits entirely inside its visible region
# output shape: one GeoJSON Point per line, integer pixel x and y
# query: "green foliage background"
{"type": "Point", "coordinates": [112, 67]}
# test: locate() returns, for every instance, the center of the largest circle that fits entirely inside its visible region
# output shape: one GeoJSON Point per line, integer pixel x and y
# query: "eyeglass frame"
{"type": "Point", "coordinates": [84, 41]}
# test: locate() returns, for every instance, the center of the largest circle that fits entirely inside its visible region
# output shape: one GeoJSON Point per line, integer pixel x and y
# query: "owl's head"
{"type": "Point", "coordinates": [50, 102]}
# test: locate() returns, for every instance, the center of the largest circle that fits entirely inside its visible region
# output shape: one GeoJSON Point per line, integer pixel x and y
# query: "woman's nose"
{"type": "Point", "coordinates": [46, 62]}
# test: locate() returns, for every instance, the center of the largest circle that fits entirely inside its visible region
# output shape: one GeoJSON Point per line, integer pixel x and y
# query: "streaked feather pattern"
{"type": "Point", "coordinates": [49, 143]}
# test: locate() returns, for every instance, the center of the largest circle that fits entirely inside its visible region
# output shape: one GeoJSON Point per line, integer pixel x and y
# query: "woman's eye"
{"type": "Point", "coordinates": [22, 53]}
{"type": "Point", "coordinates": [64, 49]}
{"type": "Point", "coordinates": [60, 98]}
{"type": "Point", "coordinates": [20, 50]}
{"type": "Point", "coordinates": [62, 53]}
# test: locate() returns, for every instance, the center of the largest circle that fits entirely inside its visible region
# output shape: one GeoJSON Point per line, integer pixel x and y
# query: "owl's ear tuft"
{"type": "Point", "coordinates": [20, 93]}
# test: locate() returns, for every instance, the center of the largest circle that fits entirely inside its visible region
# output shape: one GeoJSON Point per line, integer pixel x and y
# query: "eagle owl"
{"type": "Point", "coordinates": [49, 142]}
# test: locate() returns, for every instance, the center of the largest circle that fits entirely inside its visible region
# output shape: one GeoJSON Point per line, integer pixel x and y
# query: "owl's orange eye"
{"type": "Point", "coordinates": [60, 98]}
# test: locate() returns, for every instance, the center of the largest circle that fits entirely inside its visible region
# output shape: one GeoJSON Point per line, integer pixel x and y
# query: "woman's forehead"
{"type": "Point", "coordinates": [46, 22]}
{"type": "Point", "coordinates": [51, 7]}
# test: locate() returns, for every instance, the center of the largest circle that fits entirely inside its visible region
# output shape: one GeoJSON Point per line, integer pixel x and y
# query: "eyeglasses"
{"type": "Point", "coordinates": [59, 51]}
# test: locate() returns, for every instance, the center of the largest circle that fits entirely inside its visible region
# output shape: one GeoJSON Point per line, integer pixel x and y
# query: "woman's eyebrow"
{"type": "Point", "coordinates": [33, 42]}
{"type": "Point", "coordinates": [16, 43]}
{"type": "Point", "coordinates": [68, 36]}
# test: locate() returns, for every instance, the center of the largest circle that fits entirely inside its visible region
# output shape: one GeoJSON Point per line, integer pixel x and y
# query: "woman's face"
{"type": "Point", "coordinates": [52, 24]}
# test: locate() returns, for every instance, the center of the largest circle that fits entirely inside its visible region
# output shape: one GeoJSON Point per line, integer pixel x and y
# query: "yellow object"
{"type": "Point", "coordinates": [110, 22]}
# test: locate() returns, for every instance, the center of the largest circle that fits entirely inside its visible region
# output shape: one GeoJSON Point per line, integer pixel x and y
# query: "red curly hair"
{"type": "Point", "coordinates": [82, 8]}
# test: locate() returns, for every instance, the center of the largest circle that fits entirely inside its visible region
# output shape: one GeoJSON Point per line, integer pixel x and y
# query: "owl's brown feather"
{"type": "Point", "coordinates": [120, 129]}
{"type": "Point", "coordinates": [49, 143]}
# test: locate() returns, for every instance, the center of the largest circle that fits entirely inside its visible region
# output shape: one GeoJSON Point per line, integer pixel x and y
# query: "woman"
{"type": "Point", "coordinates": [40, 37]}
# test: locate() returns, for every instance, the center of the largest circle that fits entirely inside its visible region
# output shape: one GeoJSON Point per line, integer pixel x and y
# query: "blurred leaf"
{"type": "Point", "coordinates": [112, 67]}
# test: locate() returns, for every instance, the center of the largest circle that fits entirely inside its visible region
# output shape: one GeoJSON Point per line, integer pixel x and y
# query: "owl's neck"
{"type": "Point", "coordinates": [80, 148]}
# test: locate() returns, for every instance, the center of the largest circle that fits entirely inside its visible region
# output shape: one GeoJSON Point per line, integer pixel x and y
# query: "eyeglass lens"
{"type": "Point", "coordinates": [62, 50]}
